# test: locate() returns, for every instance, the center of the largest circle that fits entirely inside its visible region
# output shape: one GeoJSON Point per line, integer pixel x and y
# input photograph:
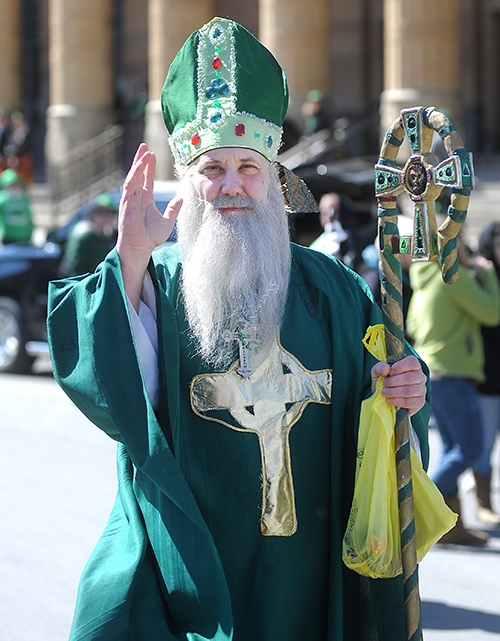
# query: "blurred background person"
{"type": "Point", "coordinates": [346, 232]}
{"type": "Point", "coordinates": [489, 389]}
{"type": "Point", "coordinates": [349, 238]}
{"type": "Point", "coordinates": [16, 222]}
{"type": "Point", "coordinates": [444, 322]}
{"type": "Point", "coordinates": [4, 124]}
{"type": "Point", "coordinates": [314, 113]}
{"type": "Point", "coordinates": [17, 146]}
{"type": "Point", "coordinates": [91, 239]}
{"type": "Point", "coordinates": [334, 239]}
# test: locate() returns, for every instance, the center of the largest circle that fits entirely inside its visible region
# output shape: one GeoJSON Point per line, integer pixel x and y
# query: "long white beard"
{"type": "Point", "coordinates": [236, 268]}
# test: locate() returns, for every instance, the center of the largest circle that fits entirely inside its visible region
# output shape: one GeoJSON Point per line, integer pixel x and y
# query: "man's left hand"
{"type": "Point", "coordinates": [404, 383]}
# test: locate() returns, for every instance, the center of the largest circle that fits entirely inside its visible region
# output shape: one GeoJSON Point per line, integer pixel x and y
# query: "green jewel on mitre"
{"type": "Point", "coordinates": [224, 89]}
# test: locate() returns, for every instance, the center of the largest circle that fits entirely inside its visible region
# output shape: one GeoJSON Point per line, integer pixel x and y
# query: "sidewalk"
{"type": "Point", "coordinates": [460, 586]}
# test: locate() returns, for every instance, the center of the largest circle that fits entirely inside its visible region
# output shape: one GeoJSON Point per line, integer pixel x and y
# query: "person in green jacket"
{"type": "Point", "coordinates": [16, 224]}
{"type": "Point", "coordinates": [444, 322]}
{"type": "Point", "coordinates": [231, 370]}
{"type": "Point", "coordinates": [91, 239]}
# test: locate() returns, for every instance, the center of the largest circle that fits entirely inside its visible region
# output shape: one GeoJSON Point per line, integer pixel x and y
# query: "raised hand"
{"type": "Point", "coordinates": [141, 226]}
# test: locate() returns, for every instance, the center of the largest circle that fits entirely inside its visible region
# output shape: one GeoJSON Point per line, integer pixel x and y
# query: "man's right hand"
{"type": "Point", "coordinates": [141, 226]}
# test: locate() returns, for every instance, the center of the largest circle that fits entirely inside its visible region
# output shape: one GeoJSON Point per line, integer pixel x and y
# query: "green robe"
{"type": "Point", "coordinates": [182, 556]}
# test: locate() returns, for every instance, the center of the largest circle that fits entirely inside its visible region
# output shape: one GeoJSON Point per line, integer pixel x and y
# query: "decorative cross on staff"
{"type": "Point", "coordinates": [423, 182]}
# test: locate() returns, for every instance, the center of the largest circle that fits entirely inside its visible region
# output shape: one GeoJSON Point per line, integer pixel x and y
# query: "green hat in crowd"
{"type": "Point", "coordinates": [106, 201]}
{"type": "Point", "coordinates": [315, 95]}
{"type": "Point", "coordinates": [224, 89]}
{"type": "Point", "coordinates": [9, 177]}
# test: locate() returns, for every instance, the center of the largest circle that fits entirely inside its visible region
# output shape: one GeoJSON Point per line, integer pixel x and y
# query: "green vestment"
{"type": "Point", "coordinates": [182, 556]}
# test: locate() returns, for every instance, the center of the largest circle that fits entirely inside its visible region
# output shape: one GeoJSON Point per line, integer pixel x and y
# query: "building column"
{"type": "Point", "coordinates": [170, 24]}
{"type": "Point", "coordinates": [80, 73]}
{"type": "Point", "coordinates": [421, 58]}
{"type": "Point", "coordinates": [298, 35]}
{"type": "Point", "coordinates": [10, 38]}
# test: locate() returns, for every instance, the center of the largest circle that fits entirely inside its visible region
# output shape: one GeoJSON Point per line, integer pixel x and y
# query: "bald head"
{"type": "Point", "coordinates": [329, 207]}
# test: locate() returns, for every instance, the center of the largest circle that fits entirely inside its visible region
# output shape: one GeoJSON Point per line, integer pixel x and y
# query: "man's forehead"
{"type": "Point", "coordinates": [232, 154]}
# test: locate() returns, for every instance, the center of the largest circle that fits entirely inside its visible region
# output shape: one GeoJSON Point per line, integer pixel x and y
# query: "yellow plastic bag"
{"type": "Point", "coordinates": [371, 543]}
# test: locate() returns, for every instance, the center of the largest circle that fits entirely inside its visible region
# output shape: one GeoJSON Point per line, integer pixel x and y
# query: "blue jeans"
{"type": "Point", "coordinates": [490, 411]}
{"type": "Point", "coordinates": [455, 404]}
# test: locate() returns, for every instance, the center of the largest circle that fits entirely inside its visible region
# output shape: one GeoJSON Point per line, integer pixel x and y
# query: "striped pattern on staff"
{"type": "Point", "coordinates": [392, 308]}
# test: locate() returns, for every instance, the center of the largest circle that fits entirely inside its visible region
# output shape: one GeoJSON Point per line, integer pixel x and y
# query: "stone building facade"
{"type": "Point", "coordinates": [75, 67]}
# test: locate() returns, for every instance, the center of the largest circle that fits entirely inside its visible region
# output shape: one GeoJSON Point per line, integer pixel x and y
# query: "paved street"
{"type": "Point", "coordinates": [460, 587]}
{"type": "Point", "coordinates": [57, 490]}
{"type": "Point", "coordinates": [58, 485]}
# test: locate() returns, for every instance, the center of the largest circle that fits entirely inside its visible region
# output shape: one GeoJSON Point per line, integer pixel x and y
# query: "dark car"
{"type": "Point", "coordinates": [25, 271]}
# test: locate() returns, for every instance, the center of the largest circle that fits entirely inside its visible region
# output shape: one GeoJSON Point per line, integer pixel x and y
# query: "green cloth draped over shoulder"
{"type": "Point", "coordinates": [182, 556]}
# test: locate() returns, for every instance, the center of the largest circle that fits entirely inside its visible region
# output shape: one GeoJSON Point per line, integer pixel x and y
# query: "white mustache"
{"type": "Point", "coordinates": [232, 201]}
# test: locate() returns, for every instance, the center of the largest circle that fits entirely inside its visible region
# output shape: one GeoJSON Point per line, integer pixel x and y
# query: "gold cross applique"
{"type": "Point", "coordinates": [268, 403]}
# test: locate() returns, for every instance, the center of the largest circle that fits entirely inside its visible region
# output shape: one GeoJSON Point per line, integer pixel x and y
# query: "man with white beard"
{"type": "Point", "coordinates": [200, 359]}
{"type": "Point", "coordinates": [246, 278]}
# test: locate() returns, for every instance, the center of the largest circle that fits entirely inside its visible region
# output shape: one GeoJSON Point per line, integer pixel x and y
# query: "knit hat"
{"type": "Point", "coordinates": [224, 89]}
{"type": "Point", "coordinates": [106, 201]}
{"type": "Point", "coordinates": [315, 95]}
{"type": "Point", "coordinates": [9, 177]}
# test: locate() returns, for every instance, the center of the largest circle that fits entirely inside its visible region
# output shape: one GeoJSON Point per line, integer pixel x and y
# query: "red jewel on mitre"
{"type": "Point", "coordinates": [195, 139]}
{"type": "Point", "coordinates": [239, 129]}
{"type": "Point", "coordinates": [216, 63]}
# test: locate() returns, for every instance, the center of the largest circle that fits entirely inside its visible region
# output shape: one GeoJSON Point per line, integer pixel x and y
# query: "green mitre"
{"type": "Point", "coordinates": [224, 89]}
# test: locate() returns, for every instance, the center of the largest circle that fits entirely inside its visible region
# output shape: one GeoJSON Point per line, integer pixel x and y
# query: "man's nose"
{"type": "Point", "coordinates": [231, 184]}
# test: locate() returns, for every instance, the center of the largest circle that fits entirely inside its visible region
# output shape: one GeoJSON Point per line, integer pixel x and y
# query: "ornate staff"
{"type": "Point", "coordinates": [423, 182]}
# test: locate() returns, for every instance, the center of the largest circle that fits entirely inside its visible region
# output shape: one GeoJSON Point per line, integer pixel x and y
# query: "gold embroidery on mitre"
{"type": "Point", "coordinates": [267, 403]}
